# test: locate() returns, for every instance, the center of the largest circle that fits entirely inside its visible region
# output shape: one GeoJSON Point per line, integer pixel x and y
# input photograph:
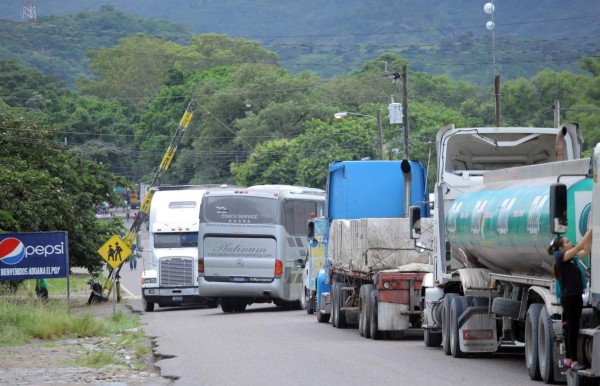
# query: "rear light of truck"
{"type": "Point", "coordinates": [278, 268]}
{"type": "Point", "coordinates": [200, 266]}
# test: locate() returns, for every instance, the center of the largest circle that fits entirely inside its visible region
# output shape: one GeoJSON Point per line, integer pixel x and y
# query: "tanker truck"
{"type": "Point", "coordinates": [588, 351]}
{"type": "Point", "coordinates": [492, 282]}
{"type": "Point", "coordinates": [372, 276]}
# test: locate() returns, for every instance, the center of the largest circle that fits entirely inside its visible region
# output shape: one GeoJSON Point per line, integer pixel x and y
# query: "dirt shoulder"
{"type": "Point", "coordinates": [51, 362]}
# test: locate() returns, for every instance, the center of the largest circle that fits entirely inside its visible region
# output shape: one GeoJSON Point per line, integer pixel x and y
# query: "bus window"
{"type": "Point", "coordinates": [232, 209]}
{"type": "Point", "coordinates": [297, 213]}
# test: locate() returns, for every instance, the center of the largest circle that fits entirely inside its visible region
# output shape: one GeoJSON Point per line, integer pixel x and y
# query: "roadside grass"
{"type": "Point", "coordinates": [56, 287]}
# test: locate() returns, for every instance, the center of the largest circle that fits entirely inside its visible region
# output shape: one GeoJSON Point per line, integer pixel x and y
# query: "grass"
{"type": "Point", "coordinates": [57, 287]}
{"type": "Point", "coordinates": [25, 319]}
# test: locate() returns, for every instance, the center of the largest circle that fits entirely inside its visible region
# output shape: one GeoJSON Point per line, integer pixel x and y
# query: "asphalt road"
{"type": "Point", "coordinates": [269, 346]}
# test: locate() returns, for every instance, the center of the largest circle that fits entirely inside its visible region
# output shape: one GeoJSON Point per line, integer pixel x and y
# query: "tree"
{"type": "Point", "coordinates": [43, 188]}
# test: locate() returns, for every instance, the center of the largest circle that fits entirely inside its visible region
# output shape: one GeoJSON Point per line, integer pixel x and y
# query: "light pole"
{"type": "Point", "coordinates": [379, 128]}
{"type": "Point", "coordinates": [491, 26]}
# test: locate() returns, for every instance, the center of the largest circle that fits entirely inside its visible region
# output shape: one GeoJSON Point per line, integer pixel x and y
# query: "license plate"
{"type": "Point", "coordinates": [239, 279]}
{"type": "Point", "coordinates": [177, 298]}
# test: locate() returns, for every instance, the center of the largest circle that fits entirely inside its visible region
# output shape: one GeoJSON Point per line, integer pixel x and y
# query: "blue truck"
{"type": "Point", "coordinates": [372, 274]}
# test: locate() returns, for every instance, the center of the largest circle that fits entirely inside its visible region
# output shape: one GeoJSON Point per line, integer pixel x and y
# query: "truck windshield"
{"type": "Point", "coordinates": [239, 210]}
{"type": "Point", "coordinates": [176, 240]}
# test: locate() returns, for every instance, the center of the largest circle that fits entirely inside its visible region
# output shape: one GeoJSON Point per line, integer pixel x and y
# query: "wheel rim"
{"type": "Point", "coordinates": [529, 344]}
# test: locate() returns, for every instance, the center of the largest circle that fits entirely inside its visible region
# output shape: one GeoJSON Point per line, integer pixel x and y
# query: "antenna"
{"type": "Point", "coordinates": [29, 15]}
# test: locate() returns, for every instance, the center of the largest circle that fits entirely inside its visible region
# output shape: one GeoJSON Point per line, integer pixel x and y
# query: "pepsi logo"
{"type": "Point", "coordinates": [12, 251]}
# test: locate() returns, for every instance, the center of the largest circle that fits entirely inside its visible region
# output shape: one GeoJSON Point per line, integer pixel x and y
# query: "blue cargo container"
{"type": "Point", "coordinates": [373, 189]}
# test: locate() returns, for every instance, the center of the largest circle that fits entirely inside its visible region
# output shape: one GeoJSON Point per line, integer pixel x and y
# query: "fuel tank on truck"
{"type": "Point", "coordinates": [504, 226]}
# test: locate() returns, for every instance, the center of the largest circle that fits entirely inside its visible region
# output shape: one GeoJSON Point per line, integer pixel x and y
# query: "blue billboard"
{"type": "Point", "coordinates": [42, 255]}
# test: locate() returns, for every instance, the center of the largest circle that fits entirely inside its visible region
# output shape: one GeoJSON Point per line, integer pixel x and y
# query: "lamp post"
{"type": "Point", "coordinates": [379, 128]}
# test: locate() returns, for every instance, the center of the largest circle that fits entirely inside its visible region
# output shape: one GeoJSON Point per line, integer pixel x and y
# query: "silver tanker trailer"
{"type": "Point", "coordinates": [492, 283]}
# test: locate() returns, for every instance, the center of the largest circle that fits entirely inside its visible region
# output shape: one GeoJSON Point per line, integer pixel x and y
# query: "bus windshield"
{"type": "Point", "coordinates": [239, 210]}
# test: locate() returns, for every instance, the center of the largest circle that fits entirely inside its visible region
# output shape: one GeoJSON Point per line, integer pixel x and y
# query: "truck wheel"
{"type": "Point", "coordinates": [459, 305]}
{"type": "Point", "coordinates": [148, 306]}
{"type": "Point", "coordinates": [303, 298]}
{"type": "Point", "coordinates": [213, 303]}
{"type": "Point", "coordinates": [322, 317]}
{"type": "Point", "coordinates": [310, 303]}
{"type": "Point", "coordinates": [227, 305]}
{"type": "Point", "coordinates": [375, 333]}
{"type": "Point", "coordinates": [362, 310]}
{"type": "Point", "coordinates": [369, 288]}
{"type": "Point", "coordinates": [432, 339]}
{"type": "Point", "coordinates": [239, 307]}
{"type": "Point", "coordinates": [545, 341]}
{"type": "Point", "coordinates": [341, 318]}
{"type": "Point", "coordinates": [446, 322]}
{"type": "Point", "coordinates": [531, 341]}
{"type": "Point", "coordinates": [335, 304]}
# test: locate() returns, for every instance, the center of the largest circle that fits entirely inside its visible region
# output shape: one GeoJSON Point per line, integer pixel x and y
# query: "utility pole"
{"type": "Point", "coordinates": [556, 113]}
{"type": "Point", "coordinates": [497, 95]}
{"type": "Point", "coordinates": [405, 110]}
{"type": "Point", "coordinates": [380, 135]}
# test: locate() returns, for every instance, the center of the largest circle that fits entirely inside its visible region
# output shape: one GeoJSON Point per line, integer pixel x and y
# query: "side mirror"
{"type": "Point", "coordinates": [311, 230]}
{"type": "Point", "coordinates": [300, 263]}
{"type": "Point", "coordinates": [558, 208]}
{"type": "Point", "coordinates": [414, 215]}
{"type": "Point", "coordinates": [311, 235]}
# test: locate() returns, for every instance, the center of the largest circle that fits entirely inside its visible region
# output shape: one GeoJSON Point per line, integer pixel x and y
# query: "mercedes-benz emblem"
{"type": "Point", "coordinates": [239, 262]}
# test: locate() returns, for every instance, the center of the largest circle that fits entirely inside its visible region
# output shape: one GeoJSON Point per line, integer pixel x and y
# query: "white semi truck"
{"type": "Point", "coordinates": [172, 277]}
{"type": "Point", "coordinates": [492, 281]}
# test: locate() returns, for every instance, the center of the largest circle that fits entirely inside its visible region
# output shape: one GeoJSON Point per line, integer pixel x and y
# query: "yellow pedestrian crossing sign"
{"type": "Point", "coordinates": [115, 251]}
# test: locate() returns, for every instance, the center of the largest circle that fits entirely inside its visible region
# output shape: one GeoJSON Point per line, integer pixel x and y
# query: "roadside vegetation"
{"type": "Point", "coordinates": [25, 318]}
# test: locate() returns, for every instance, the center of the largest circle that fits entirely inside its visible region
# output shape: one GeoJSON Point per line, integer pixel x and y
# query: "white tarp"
{"type": "Point", "coordinates": [374, 244]}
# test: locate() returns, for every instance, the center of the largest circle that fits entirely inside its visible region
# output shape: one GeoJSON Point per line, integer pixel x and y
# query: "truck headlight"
{"type": "Point", "coordinates": [149, 280]}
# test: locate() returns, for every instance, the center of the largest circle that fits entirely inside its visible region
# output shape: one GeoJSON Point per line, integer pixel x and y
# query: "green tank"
{"type": "Point", "coordinates": [504, 226]}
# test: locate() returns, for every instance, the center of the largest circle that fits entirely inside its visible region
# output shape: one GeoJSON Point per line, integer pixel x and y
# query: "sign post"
{"type": "Point", "coordinates": [114, 252]}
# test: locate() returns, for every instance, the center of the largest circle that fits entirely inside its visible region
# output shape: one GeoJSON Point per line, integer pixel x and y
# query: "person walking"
{"type": "Point", "coordinates": [133, 258]}
{"type": "Point", "coordinates": [572, 282]}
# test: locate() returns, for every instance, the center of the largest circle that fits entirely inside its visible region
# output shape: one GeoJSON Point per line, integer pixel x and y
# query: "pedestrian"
{"type": "Point", "coordinates": [127, 215]}
{"type": "Point", "coordinates": [133, 258]}
{"type": "Point", "coordinates": [572, 282]}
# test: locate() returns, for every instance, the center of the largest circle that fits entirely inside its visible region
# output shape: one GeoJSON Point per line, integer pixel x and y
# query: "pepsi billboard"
{"type": "Point", "coordinates": [34, 255]}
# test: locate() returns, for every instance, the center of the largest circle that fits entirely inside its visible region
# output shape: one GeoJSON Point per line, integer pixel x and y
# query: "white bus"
{"type": "Point", "coordinates": [172, 277]}
{"type": "Point", "coordinates": [253, 244]}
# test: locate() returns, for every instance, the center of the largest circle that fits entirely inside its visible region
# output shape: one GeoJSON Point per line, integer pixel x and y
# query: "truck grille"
{"type": "Point", "coordinates": [176, 271]}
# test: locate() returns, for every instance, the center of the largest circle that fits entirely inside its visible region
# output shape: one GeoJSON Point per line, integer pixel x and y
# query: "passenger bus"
{"type": "Point", "coordinates": [253, 244]}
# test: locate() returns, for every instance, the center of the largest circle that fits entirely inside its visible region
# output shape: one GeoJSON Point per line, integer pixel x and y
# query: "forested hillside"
{"type": "Point", "coordinates": [328, 38]}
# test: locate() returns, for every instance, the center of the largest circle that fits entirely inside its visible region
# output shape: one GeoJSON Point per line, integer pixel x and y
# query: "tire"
{"type": "Point", "coordinates": [432, 339]}
{"type": "Point", "coordinates": [531, 341]}
{"type": "Point", "coordinates": [214, 303]}
{"type": "Point", "coordinates": [445, 322]}
{"type": "Point", "coordinates": [335, 303]}
{"type": "Point", "coordinates": [148, 306]}
{"type": "Point", "coordinates": [368, 309]}
{"type": "Point", "coordinates": [322, 317]}
{"type": "Point", "coordinates": [362, 309]}
{"type": "Point", "coordinates": [545, 342]}
{"type": "Point", "coordinates": [506, 307]}
{"type": "Point", "coordinates": [239, 307]}
{"type": "Point", "coordinates": [311, 303]}
{"type": "Point", "coordinates": [227, 305]}
{"type": "Point", "coordinates": [458, 306]}
{"type": "Point", "coordinates": [341, 317]}
{"type": "Point", "coordinates": [304, 298]}
{"type": "Point", "coordinates": [375, 333]}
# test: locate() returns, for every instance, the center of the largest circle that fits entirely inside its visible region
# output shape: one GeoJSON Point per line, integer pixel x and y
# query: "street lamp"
{"type": "Point", "coordinates": [343, 114]}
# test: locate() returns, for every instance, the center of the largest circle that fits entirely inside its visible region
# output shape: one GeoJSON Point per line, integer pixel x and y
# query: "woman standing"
{"type": "Point", "coordinates": [571, 289]}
